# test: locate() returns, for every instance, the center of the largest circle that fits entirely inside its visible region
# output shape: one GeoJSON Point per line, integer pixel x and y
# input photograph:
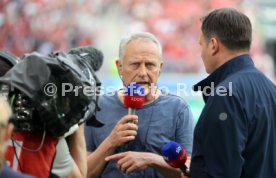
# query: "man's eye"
{"type": "Point", "coordinates": [150, 65]}
{"type": "Point", "coordinates": [134, 64]}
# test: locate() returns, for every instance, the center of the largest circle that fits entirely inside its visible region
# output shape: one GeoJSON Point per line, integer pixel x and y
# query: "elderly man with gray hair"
{"type": "Point", "coordinates": [163, 118]}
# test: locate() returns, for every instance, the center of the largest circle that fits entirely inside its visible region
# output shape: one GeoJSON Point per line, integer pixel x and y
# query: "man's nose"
{"type": "Point", "coordinates": [143, 71]}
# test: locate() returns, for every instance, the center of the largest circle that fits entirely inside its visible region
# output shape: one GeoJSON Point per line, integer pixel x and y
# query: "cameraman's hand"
{"type": "Point", "coordinates": [124, 131]}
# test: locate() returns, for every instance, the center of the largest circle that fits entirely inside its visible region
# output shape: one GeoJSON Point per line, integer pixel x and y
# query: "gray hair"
{"type": "Point", "coordinates": [139, 35]}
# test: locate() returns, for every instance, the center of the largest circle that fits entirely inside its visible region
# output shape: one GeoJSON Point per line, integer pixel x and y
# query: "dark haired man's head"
{"type": "Point", "coordinates": [231, 27]}
{"type": "Point", "coordinates": [225, 34]}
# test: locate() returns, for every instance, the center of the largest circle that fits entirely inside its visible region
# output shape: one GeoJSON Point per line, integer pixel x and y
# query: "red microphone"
{"type": "Point", "coordinates": [134, 97]}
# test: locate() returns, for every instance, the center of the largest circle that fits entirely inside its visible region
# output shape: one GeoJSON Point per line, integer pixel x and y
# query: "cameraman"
{"type": "Point", "coordinates": [5, 132]}
{"type": "Point", "coordinates": [56, 157]}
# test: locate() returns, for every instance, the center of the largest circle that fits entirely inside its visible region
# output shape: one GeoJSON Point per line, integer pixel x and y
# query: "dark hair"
{"type": "Point", "coordinates": [233, 28]}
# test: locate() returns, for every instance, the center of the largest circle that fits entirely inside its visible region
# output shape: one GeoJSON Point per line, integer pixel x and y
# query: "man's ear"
{"type": "Point", "coordinates": [214, 45]}
{"type": "Point", "coordinates": [161, 67]}
{"type": "Point", "coordinates": [119, 66]}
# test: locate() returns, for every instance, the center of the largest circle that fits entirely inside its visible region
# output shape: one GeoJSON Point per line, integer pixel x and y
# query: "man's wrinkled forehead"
{"type": "Point", "coordinates": [142, 48]}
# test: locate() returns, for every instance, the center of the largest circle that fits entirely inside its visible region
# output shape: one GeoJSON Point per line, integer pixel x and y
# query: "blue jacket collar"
{"type": "Point", "coordinates": [232, 66]}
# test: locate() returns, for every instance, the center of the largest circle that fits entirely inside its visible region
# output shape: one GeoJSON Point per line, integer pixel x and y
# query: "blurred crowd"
{"type": "Point", "coordinates": [47, 25]}
{"type": "Point", "coordinates": [43, 25]}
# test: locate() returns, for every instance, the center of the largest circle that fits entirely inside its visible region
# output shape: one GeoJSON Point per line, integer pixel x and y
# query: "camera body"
{"type": "Point", "coordinates": [35, 109]}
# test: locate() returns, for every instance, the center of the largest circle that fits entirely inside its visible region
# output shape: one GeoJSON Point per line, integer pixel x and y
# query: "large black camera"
{"type": "Point", "coordinates": [50, 92]}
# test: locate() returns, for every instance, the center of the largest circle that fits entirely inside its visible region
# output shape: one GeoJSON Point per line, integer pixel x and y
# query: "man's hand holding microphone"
{"type": "Point", "coordinates": [126, 129]}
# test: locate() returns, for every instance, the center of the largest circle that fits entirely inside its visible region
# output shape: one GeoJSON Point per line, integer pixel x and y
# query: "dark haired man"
{"type": "Point", "coordinates": [235, 135]}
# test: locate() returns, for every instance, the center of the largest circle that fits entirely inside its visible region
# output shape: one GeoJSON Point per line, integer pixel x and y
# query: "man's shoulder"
{"type": "Point", "coordinates": [245, 79]}
{"type": "Point", "coordinates": [245, 74]}
{"type": "Point", "coordinates": [173, 99]}
{"type": "Point", "coordinates": [172, 96]}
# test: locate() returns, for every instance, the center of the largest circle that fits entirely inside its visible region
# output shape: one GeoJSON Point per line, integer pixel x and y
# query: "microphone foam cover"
{"type": "Point", "coordinates": [134, 96]}
{"type": "Point", "coordinates": [174, 154]}
{"type": "Point", "coordinates": [93, 56]}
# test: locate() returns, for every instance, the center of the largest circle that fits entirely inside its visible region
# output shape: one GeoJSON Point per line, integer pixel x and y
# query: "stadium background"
{"type": "Point", "coordinates": [50, 25]}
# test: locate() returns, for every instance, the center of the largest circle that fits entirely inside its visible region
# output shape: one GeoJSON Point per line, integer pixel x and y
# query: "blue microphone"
{"type": "Point", "coordinates": [175, 155]}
